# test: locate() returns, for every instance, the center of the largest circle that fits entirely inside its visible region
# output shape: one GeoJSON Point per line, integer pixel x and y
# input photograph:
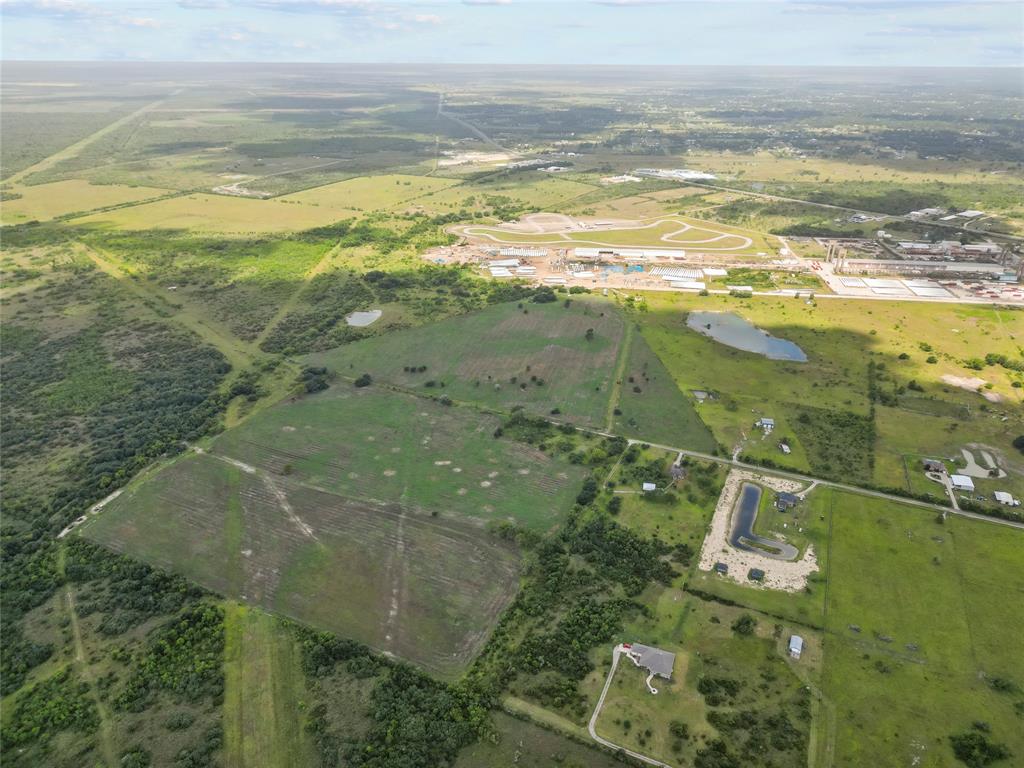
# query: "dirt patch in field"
{"type": "Point", "coordinates": [972, 384]}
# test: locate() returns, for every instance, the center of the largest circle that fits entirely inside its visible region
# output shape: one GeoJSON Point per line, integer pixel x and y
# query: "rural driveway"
{"type": "Point", "coordinates": [592, 725]}
{"type": "Point", "coordinates": [808, 479]}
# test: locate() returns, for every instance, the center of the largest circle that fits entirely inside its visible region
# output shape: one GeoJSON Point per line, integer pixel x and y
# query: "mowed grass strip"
{"type": "Point", "coordinates": [264, 682]}
{"type": "Point", "coordinates": [426, 589]}
{"type": "Point", "coordinates": [921, 617]}
{"type": "Point", "coordinates": [536, 356]}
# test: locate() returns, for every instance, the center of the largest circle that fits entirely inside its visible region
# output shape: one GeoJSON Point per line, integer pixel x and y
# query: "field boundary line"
{"type": "Point", "coordinates": [620, 373]}
{"type": "Point", "coordinates": [81, 661]}
{"type": "Point", "coordinates": [72, 150]}
{"type": "Point", "coordinates": [235, 351]}
{"type": "Point", "coordinates": [293, 299]}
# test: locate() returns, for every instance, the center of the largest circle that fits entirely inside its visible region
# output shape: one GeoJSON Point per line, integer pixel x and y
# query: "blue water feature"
{"type": "Point", "coordinates": [733, 331]}
{"type": "Point", "coordinates": [743, 536]}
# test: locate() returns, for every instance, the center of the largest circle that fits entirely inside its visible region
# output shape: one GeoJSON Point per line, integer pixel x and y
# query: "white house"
{"type": "Point", "coordinates": [962, 482]}
{"type": "Point", "coordinates": [649, 487]}
{"type": "Point", "coordinates": [796, 646]}
{"type": "Point", "coordinates": [1005, 498]}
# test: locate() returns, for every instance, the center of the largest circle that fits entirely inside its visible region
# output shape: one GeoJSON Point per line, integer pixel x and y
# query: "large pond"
{"type": "Point", "coordinates": [734, 331]}
{"type": "Point", "coordinates": [743, 536]}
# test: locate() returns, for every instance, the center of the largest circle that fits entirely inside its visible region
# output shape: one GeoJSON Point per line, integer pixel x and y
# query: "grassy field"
{"type": "Point", "coordinates": [219, 214]}
{"type": "Point", "coordinates": [60, 198]}
{"type": "Point", "coordinates": [263, 682]}
{"type": "Point", "coordinates": [520, 743]}
{"type": "Point", "coordinates": [369, 193]}
{"type": "Point", "coordinates": [651, 406]}
{"type": "Point", "coordinates": [356, 510]}
{"type": "Point", "coordinates": [535, 191]}
{"type": "Point", "coordinates": [935, 606]}
{"type": "Point", "coordinates": [537, 357]}
{"type": "Point", "coordinates": [823, 407]}
{"type": "Point", "coordinates": [377, 573]}
{"type": "Point", "coordinates": [706, 647]}
{"type": "Point", "coordinates": [374, 444]}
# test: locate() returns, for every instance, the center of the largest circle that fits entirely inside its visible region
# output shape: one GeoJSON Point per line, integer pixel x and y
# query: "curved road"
{"type": "Point", "coordinates": [592, 725]}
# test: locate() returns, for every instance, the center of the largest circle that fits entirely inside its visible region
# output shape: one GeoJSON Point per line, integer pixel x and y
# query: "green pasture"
{"type": "Point", "coordinates": [820, 406]}
{"type": "Point", "coordinates": [224, 215]}
{"type": "Point", "coordinates": [536, 356]}
{"type": "Point", "coordinates": [47, 201]}
{"type": "Point", "coordinates": [918, 606]}
{"type": "Point", "coordinates": [381, 574]}
{"type": "Point", "coordinates": [263, 680]}
{"type": "Point", "coordinates": [372, 443]}
{"type": "Point", "coordinates": [651, 406]}
{"type": "Point", "coordinates": [369, 193]}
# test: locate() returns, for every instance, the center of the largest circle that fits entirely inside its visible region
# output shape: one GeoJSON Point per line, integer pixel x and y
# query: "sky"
{"type": "Point", "coordinates": [884, 33]}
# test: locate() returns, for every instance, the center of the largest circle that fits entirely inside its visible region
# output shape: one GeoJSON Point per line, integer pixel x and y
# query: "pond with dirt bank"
{"type": "Point", "coordinates": [743, 536]}
{"type": "Point", "coordinates": [733, 331]}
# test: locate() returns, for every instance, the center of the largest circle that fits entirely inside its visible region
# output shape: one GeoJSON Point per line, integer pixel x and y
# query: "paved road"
{"type": "Point", "coordinates": [592, 725]}
{"type": "Point", "coordinates": [733, 462]}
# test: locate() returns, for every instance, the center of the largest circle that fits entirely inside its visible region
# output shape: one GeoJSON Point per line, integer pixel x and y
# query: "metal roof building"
{"type": "Point", "coordinates": [796, 646]}
{"type": "Point", "coordinates": [962, 482]}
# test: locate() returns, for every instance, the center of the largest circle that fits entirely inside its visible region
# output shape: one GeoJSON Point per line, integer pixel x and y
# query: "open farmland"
{"type": "Point", "coordinates": [914, 605]}
{"type": "Point", "coordinates": [219, 214]}
{"type": "Point", "coordinates": [60, 198]}
{"type": "Point", "coordinates": [651, 406]}
{"type": "Point", "coordinates": [537, 356]}
{"type": "Point", "coordinates": [396, 579]}
{"type": "Point", "coordinates": [355, 510]}
{"type": "Point", "coordinates": [372, 444]}
{"type": "Point", "coordinates": [369, 193]}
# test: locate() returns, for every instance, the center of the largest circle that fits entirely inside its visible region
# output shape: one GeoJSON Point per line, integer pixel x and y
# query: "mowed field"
{"type": "Point", "coordinates": [60, 198]}
{"type": "Point", "coordinates": [374, 444]}
{"type": "Point", "coordinates": [219, 214]}
{"type": "Point", "coordinates": [402, 582]}
{"type": "Point", "coordinates": [537, 357]}
{"type": "Point", "coordinates": [357, 511]}
{"type": "Point", "coordinates": [651, 406]}
{"type": "Point", "coordinates": [922, 619]}
{"type": "Point", "coordinates": [370, 192]}
{"type": "Point", "coordinates": [660, 232]}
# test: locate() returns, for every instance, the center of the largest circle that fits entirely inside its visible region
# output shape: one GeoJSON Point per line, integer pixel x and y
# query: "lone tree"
{"type": "Point", "coordinates": [589, 335]}
{"type": "Point", "coordinates": [364, 381]}
{"type": "Point", "coordinates": [744, 625]}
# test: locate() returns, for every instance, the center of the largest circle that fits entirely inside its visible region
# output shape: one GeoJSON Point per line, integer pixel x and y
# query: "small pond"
{"type": "Point", "coordinates": [743, 536]}
{"type": "Point", "coordinates": [732, 330]}
{"type": "Point", "coordinates": [362, 319]}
